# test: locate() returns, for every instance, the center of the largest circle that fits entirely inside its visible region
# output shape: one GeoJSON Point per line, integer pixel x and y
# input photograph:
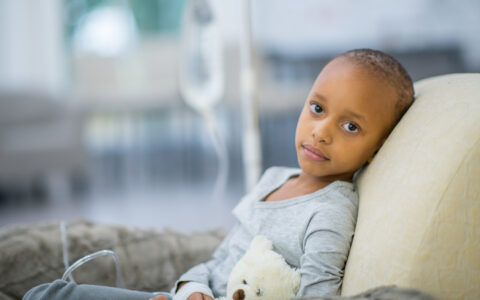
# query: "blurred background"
{"type": "Point", "coordinates": [93, 124]}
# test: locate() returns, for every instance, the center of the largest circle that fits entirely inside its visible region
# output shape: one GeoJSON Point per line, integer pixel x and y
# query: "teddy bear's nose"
{"type": "Point", "coordinates": [239, 295]}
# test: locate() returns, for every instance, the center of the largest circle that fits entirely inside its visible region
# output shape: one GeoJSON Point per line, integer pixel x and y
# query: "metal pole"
{"type": "Point", "coordinates": [252, 159]}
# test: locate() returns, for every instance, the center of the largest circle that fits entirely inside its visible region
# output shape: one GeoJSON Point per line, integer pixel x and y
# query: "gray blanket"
{"type": "Point", "coordinates": [150, 260]}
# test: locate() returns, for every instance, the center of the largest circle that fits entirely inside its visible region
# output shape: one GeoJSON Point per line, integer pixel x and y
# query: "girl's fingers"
{"type": "Point", "coordinates": [159, 297]}
{"type": "Point", "coordinates": [195, 296]}
{"type": "Point", "coordinates": [198, 296]}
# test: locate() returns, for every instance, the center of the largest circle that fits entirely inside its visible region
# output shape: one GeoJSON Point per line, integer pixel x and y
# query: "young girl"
{"type": "Point", "coordinates": [309, 214]}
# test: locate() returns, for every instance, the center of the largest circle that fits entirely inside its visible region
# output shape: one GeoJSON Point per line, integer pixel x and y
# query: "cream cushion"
{"type": "Point", "coordinates": [419, 216]}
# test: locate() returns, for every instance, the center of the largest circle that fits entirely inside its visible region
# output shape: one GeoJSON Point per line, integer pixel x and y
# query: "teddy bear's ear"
{"type": "Point", "coordinates": [260, 242]}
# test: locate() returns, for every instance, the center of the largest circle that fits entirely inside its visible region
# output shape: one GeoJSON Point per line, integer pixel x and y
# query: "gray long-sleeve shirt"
{"type": "Point", "coordinates": [312, 232]}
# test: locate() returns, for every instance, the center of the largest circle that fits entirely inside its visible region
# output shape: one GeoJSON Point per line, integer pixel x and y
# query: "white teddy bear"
{"type": "Point", "coordinates": [262, 274]}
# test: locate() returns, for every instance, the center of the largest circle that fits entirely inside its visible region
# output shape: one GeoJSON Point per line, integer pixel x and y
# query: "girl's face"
{"type": "Point", "coordinates": [346, 118]}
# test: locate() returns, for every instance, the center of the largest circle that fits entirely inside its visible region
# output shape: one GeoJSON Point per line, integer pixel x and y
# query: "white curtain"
{"type": "Point", "coordinates": [32, 56]}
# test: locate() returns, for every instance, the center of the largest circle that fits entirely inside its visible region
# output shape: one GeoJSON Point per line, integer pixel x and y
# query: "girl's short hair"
{"type": "Point", "coordinates": [388, 68]}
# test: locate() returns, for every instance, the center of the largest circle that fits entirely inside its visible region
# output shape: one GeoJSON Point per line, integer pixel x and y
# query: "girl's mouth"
{"type": "Point", "coordinates": [314, 154]}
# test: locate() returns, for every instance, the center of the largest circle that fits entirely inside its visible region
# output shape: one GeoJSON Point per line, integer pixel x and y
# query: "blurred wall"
{"type": "Point", "coordinates": [32, 52]}
{"type": "Point", "coordinates": [316, 27]}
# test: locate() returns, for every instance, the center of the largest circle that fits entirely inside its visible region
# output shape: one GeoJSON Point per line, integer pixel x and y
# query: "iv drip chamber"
{"type": "Point", "coordinates": [201, 64]}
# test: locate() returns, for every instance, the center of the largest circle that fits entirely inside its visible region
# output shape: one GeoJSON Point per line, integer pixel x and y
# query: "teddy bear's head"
{"type": "Point", "coordinates": [262, 274]}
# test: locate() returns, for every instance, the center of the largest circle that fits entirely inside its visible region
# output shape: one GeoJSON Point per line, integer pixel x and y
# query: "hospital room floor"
{"type": "Point", "coordinates": [184, 209]}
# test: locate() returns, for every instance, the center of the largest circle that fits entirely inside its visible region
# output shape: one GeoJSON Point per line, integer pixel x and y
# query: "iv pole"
{"type": "Point", "coordinates": [252, 159]}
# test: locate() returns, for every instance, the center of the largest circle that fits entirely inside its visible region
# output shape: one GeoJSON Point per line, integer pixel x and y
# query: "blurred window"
{"type": "Point", "coordinates": [151, 16]}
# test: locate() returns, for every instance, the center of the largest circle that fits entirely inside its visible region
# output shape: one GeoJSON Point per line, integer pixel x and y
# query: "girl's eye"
{"type": "Point", "coordinates": [315, 108]}
{"type": "Point", "coordinates": [350, 127]}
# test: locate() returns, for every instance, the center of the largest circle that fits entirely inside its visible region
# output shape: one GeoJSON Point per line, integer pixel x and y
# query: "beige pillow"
{"type": "Point", "coordinates": [419, 217]}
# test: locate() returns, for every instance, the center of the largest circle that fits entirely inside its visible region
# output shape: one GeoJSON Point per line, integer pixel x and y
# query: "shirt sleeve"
{"type": "Point", "coordinates": [201, 272]}
{"type": "Point", "coordinates": [190, 288]}
{"type": "Point", "coordinates": [326, 245]}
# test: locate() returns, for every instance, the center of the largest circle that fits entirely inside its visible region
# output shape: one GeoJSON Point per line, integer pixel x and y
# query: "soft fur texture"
{"type": "Point", "coordinates": [262, 274]}
{"type": "Point", "coordinates": [150, 260]}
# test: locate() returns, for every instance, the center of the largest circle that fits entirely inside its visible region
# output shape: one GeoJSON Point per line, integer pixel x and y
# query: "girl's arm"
{"type": "Point", "coordinates": [326, 245]}
{"type": "Point", "coordinates": [201, 273]}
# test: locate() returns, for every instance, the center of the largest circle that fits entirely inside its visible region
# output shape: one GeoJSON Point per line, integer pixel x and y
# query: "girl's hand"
{"type": "Point", "coordinates": [194, 296]}
{"type": "Point", "coordinates": [199, 296]}
{"type": "Point", "coordinates": [159, 297]}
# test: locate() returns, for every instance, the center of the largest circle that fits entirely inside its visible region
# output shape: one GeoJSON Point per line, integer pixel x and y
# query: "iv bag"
{"type": "Point", "coordinates": [201, 61]}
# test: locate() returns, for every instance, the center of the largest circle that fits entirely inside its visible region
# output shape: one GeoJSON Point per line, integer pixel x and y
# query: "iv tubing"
{"type": "Point", "coordinates": [201, 77]}
{"type": "Point", "coordinates": [63, 235]}
{"type": "Point", "coordinates": [81, 261]}
{"type": "Point", "coordinates": [89, 257]}
{"type": "Point", "coordinates": [220, 147]}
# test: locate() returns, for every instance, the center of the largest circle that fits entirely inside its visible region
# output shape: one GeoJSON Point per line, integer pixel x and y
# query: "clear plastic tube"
{"type": "Point", "coordinates": [69, 269]}
{"type": "Point", "coordinates": [222, 154]}
{"type": "Point", "coordinates": [89, 257]}
{"type": "Point", "coordinates": [63, 235]}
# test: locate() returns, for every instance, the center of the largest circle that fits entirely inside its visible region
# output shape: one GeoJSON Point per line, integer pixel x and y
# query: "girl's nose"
{"type": "Point", "coordinates": [321, 133]}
